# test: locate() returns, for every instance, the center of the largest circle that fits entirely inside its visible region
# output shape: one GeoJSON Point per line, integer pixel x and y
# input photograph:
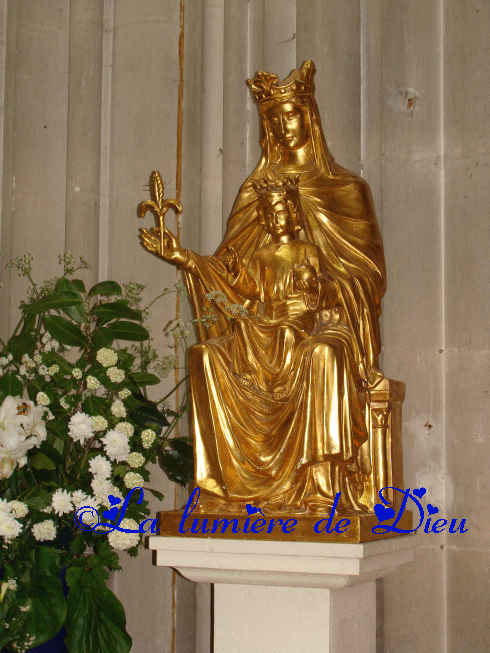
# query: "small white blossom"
{"type": "Point", "coordinates": [44, 531]}
{"type": "Point", "coordinates": [77, 373]}
{"type": "Point", "coordinates": [12, 584]}
{"type": "Point", "coordinates": [27, 361]}
{"type": "Point", "coordinates": [24, 608]}
{"type": "Point", "coordinates": [124, 393]}
{"type": "Point", "coordinates": [54, 369]}
{"type": "Point", "coordinates": [10, 358]}
{"type": "Point", "coordinates": [122, 541]}
{"type": "Point", "coordinates": [147, 438]}
{"type": "Point", "coordinates": [18, 509]}
{"type": "Point", "coordinates": [133, 479]}
{"type": "Point", "coordinates": [135, 459]}
{"type": "Point", "coordinates": [107, 357]}
{"type": "Point", "coordinates": [43, 370]}
{"type": "Point", "coordinates": [3, 360]}
{"type": "Point", "coordinates": [117, 408]}
{"type": "Point", "coordinates": [80, 427]}
{"type": "Point", "coordinates": [42, 399]}
{"type": "Point", "coordinates": [99, 423]}
{"type": "Point", "coordinates": [100, 467]}
{"type": "Point", "coordinates": [126, 428]}
{"type": "Point", "coordinates": [64, 404]}
{"type": "Point", "coordinates": [92, 383]}
{"type": "Point", "coordinates": [116, 445]}
{"type": "Point", "coordinates": [89, 516]}
{"type": "Point", "coordinates": [115, 374]}
{"type": "Point", "coordinates": [38, 359]}
{"type": "Point", "coordinates": [61, 502]}
{"type": "Point", "coordinates": [23, 370]}
{"type": "Point", "coordinates": [56, 345]}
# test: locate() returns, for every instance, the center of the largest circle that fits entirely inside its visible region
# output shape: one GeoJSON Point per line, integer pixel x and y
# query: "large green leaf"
{"type": "Point", "coordinates": [178, 468]}
{"type": "Point", "coordinates": [105, 288]}
{"type": "Point", "coordinates": [103, 337]}
{"type": "Point", "coordinates": [64, 331]}
{"type": "Point", "coordinates": [77, 312]}
{"type": "Point", "coordinates": [10, 384]}
{"type": "Point", "coordinates": [144, 378]}
{"type": "Point", "coordinates": [129, 331]}
{"type": "Point", "coordinates": [22, 344]}
{"type": "Point", "coordinates": [61, 299]}
{"type": "Point", "coordinates": [79, 285]}
{"type": "Point", "coordinates": [149, 416]}
{"type": "Point", "coordinates": [115, 311]}
{"type": "Point", "coordinates": [48, 606]}
{"type": "Point", "coordinates": [95, 620]}
{"type": "Point", "coordinates": [41, 461]}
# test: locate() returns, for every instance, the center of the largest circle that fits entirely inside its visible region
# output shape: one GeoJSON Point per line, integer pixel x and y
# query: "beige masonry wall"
{"type": "Point", "coordinates": [89, 108]}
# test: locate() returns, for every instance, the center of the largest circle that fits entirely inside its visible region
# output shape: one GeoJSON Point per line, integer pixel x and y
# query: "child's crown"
{"type": "Point", "coordinates": [269, 190]}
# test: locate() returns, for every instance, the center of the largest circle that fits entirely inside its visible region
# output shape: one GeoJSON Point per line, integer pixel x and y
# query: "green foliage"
{"type": "Point", "coordinates": [76, 355]}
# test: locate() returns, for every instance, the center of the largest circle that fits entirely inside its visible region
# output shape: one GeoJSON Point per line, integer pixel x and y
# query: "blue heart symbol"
{"type": "Point", "coordinates": [110, 514]}
{"type": "Point", "coordinates": [114, 500]}
{"type": "Point", "coordinates": [420, 492]}
{"type": "Point", "coordinates": [383, 513]}
{"type": "Point", "coordinates": [252, 510]}
{"type": "Point", "coordinates": [432, 510]}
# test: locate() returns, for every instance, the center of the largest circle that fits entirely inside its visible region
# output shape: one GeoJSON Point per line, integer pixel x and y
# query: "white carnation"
{"type": "Point", "coordinates": [117, 408]}
{"type": "Point", "coordinates": [147, 438]}
{"type": "Point", "coordinates": [61, 502]}
{"type": "Point", "coordinates": [122, 541]}
{"type": "Point", "coordinates": [107, 357]}
{"type": "Point", "coordinates": [78, 497]}
{"type": "Point", "coordinates": [126, 428]}
{"type": "Point", "coordinates": [101, 488]}
{"type": "Point", "coordinates": [100, 467]}
{"type": "Point", "coordinates": [116, 445]}
{"type": "Point", "coordinates": [136, 459]}
{"type": "Point", "coordinates": [133, 479]}
{"type": "Point", "coordinates": [116, 375]}
{"type": "Point", "coordinates": [18, 509]}
{"type": "Point", "coordinates": [80, 427]}
{"type": "Point", "coordinates": [9, 526]}
{"type": "Point", "coordinates": [44, 531]}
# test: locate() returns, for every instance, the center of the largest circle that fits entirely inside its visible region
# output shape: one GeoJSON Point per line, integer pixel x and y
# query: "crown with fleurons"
{"type": "Point", "coordinates": [266, 86]}
{"type": "Point", "coordinates": [274, 190]}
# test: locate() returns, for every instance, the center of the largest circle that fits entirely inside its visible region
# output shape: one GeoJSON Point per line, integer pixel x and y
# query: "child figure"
{"type": "Point", "coordinates": [287, 280]}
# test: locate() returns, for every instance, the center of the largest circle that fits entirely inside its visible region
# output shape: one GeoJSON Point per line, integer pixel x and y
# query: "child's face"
{"type": "Point", "coordinates": [278, 219]}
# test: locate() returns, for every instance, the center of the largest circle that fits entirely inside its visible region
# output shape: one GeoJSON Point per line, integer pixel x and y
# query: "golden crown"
{"type": "Point", "coordinates": [266, 86]}
{"type": "Point", "coordinates": [283, 188]}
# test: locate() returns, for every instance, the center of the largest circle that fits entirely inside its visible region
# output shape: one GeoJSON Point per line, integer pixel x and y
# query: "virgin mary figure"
{"type": "Point", "coordinates": [276, 415]}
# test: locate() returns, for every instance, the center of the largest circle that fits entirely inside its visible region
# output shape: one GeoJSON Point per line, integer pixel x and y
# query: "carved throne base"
{"type": "Point", "coordinates": [383, 465]}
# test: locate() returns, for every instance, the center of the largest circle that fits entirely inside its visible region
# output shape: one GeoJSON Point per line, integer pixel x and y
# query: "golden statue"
{"type": "Point", "coordinates": [282, 401]}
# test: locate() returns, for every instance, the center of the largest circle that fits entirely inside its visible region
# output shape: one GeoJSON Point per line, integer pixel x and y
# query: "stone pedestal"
{"type": "Point", "coordinates": [285, 597]}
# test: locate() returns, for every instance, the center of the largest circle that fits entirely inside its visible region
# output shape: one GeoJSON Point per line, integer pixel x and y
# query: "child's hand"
{"type": "Point", "coordinates": [230, 260]}
{"type": "Point", "coordinates": [305, 277]}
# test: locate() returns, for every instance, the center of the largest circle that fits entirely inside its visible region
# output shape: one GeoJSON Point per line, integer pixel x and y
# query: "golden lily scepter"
{"type": "Point", "coordinates": [158, 205]}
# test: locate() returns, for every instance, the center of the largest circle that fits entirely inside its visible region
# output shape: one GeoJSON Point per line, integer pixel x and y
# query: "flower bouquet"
{"type": "Point", "coordinates": [77, 434]}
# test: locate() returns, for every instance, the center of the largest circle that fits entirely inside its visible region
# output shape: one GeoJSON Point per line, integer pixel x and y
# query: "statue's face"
{"type": "Point", "coordinates": [288, 125]}
{"type": "Point", "coordinates": [278, 219]}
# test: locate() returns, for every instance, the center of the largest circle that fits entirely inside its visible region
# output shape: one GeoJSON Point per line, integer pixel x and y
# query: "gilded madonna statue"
{"type": "Point", "coordinates": [278, 417]}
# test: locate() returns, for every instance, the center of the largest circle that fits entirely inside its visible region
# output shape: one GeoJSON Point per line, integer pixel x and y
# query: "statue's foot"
{"type": "Point", "coordinates": [245, 379]}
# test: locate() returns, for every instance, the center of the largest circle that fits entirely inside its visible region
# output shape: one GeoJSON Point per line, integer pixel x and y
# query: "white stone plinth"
{"type": "Point", "coordinates": [285, 597]}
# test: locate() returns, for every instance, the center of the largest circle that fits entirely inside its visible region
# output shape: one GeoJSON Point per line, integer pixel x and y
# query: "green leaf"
{"type": "Point", "coordinates": [155, 493]}
{"type": "Point", "coordinates": [49, 560]}
{"type": "Point", "coordinates": [64, 331]}
{"type": "Point", "coordinates": [177, 468]}
{"type": "Point", "coordinates": [41, 461]}
{"type": "Point", "coordinates": [29, 324]}
{"type": "Point", "coordinates": [38, 499]}
{"type": "Point", "coordinates": [78, 312]}
{"type": "Point", "coordinates": [56, 300]}
{"type": "Point", "coordinates": [79, 285]}
{"type": "Point", "coordinates": [105, 288]}
{"type": "Point", "coordinates": [144, 378]}
{"type": "Point", "coordinates": [65, 284]}
{"type": "Point", "coordinates": [95, 620]}
{"type": "Point", "coordinates": [149, 416]}
{"type": "Point", "coordinates": [48, 606]}
{"type": "Point", "coordinates": [103, 337]}
{"type": "Point", "coordinates": [10, 384]}
{"type": "Point", "coordinates": [21, 344]}
{"type": "Point", "coordinates": [129, 331]}
{"type": "Point", "coordinates": [115, 311]}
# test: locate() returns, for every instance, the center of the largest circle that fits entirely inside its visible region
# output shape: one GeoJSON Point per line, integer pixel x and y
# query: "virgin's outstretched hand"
{"type": "Point", "coordinates": [167, 247]}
